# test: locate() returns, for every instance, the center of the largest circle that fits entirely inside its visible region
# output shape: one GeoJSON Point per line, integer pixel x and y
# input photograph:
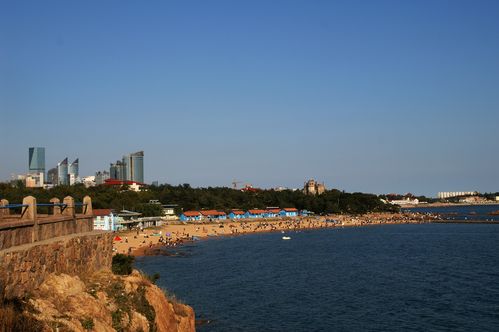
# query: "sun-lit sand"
{"type": "Point", "coordinates": [137, 241]}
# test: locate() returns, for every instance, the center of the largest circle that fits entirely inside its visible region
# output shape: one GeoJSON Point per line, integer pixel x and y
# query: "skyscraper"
{"type": "Point", "coordinates": [133, 165]}
{"type": "Point", "coordinates": [73, 172]}
{"type": "Point", "coordinates": [62, 172]}
{"type": "Point", "coordinates": [117, 171]}
{"type": "Point", "coordinates": [74, 168]}
{"type": "Point", "coordinates": [36, 162]}
{"type": "Point", "coordinates": [52, 176]}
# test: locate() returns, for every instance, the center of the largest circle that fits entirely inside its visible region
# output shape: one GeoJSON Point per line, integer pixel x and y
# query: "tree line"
{"type": "Point", "coordinates": [189, 198]}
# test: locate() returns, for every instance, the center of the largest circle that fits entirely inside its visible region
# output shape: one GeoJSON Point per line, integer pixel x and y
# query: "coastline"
{"type": "Point", "coordinates": [152, 241]}
{"type": "Point", "coordinates": [432, 205]}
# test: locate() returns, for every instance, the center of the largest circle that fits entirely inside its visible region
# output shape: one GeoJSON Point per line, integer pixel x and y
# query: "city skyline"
{"type": "Point", "coordinates": [372, 97]}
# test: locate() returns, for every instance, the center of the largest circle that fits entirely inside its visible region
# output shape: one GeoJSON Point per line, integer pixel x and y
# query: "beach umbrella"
{"type": "Point", "coordinates": [117, 238]}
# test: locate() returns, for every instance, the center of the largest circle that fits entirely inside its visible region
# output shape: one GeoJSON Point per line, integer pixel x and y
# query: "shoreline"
{"type": "Point", "coordinates": [153, 241]}
{"type": "Point", "coordinates": [432, 205]}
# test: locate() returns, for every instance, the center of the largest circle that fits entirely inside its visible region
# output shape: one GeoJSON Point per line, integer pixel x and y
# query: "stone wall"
{"type": "Point", "coordinates": [29, 227]}
{"type": "Point", "coordinates": [23, 268]}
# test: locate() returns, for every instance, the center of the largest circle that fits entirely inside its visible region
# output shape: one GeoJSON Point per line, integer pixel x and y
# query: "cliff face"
{"type": "Point", "coordinates": [107, 302]}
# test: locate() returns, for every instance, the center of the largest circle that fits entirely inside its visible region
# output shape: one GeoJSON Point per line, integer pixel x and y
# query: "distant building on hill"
{"type": "Point", "coordinates": [312, 187]}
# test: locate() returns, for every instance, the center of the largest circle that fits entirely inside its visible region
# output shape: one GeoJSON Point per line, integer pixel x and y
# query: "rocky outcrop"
{"type": "Point", "coordinates": [107, 302]}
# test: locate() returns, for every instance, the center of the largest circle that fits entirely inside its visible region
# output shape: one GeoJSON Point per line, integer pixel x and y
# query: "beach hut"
{"type": "Point", "coordinates": [191, 216]}
{"type": "Point", "coordinates": [236, 214]}
{"type": "Point", "coordinates": [214, 214]}
{"type": "Point", "coordinates": [305, 213]}
{"type": "Point", "coordinates": [272, 212]}
{"type": "Point", "coordinates": [289, 212]}
{"type": "Point", "coordinates": [254, 214]}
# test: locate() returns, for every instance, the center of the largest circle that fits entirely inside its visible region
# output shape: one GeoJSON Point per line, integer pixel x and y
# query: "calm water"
{"type": "Point", "coordinates": [429, 277]}
{"type": "Point", "coordinates": [466, 212]}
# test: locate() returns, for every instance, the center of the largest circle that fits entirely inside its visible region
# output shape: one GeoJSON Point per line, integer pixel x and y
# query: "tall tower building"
{"type": "Point", "coordinates": [52, 176]}
{"type": "Point", "coordinates": [36, 160]}
{"type": "Point", "coordinates": [133, 165]}
{"type": "Point", "coordinates": [74, 168]}
{"type": "Point", "coordinates": [117, 171]}
{"type": "Point", "coordinates": [62, 172]}
{"type": "Point", "coordinates": [73, 172]}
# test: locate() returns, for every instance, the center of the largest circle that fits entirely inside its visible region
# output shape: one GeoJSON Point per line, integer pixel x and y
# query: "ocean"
{"type": "Point", "coordinates": [427, 277]}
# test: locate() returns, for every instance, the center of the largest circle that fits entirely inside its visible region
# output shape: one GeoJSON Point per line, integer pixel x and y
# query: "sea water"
{"type": "Point", "coordinates": [483, 213]}
{"type": "Point", "coordinates": [427, 277]}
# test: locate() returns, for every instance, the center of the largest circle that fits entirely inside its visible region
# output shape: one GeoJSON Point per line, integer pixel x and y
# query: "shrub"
{"type": "Point", "coordinates": [122, 264]}
{"type": "Point", "coordinates": [87, 323]}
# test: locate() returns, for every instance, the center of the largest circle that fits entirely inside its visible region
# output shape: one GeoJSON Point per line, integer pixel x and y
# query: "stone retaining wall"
{"type": "Point", "coordinates": [23, 268]}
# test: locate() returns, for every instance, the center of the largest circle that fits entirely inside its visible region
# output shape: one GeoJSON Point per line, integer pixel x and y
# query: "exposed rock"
{"type": "Point", "coordinates": [107, 303]}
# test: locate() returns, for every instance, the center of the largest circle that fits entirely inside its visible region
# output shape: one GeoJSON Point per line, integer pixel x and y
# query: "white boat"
{"type": "Point", "coordinates": [286, 238]}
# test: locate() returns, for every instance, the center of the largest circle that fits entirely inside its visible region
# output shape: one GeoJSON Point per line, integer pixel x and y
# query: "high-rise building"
{"type": "Point", "coordinates": [117, 171]}
{"type": "Point", "coordinates": [52, 176]}
{"type": "Point", "coordinates": [133, 165]}
{"type": "Point", "coordinates": [36, 162]}
{"type": "Point", "coordinates": [101, 177]}
{"type": "Point", "coordinates": [74, 168]}
{"type": "Point", "coordinates": [62, 172]}
{"type": "Point", "coordinates": [73, 172]}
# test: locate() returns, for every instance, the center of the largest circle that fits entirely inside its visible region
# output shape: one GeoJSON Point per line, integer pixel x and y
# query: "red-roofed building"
{"type": "Point", "coordinates": [104, 219]}
{"type": "Point", "coordinates": [272, 212]}
{"type": "Point", "coordinates": [191, 216]}
{"type": "Point", "coordinates": [102, 212]}
{"type": "Point", "coordinates": [255, 213]}
{"type": "Point", "coordinates": [214, 214]}
{"type": "Point", "coordinates": [236, 214]}
{"type": "Point", "coordinates": [289, 212]}
{"type": "Point", "coordinates": [132, 185]}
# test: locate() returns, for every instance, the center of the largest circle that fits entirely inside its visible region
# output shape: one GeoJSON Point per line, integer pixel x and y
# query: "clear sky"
{"type": "Point", "coordinates": [372, 96]}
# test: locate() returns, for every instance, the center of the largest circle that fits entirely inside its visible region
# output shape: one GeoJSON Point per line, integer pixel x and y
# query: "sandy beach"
{"type": "Point", "coordinates": [147, 241]}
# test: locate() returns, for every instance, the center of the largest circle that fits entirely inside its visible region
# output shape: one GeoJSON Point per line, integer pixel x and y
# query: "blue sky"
{"type": "Point", "coordinates": [372, 96]}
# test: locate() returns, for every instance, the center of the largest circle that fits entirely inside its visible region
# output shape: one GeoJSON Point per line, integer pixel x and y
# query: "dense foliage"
{"type": "Point", "coordinates": [122, 264]}
{"type": "Point", "coordinates": [188, 198]}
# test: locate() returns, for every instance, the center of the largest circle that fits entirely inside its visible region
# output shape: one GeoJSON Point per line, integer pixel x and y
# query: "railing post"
{"type": "Point", "coordinates": [87, 206]}
{"type": "Point", "coordinates": [4, 212]}
{"type": "Point", "coordinates": [57, 209]}
{"type": "Point", "coordinates": [29, 213]}
{"type": "Point", "coordinates": [70, 206]}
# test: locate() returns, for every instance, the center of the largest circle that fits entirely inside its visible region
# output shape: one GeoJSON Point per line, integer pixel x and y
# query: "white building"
{"type": "Point", "coordinates": [449, 194]}
{"type": "Point", "coordinates": [34, 180]}
{"type": "Point", "coordinates": [88, 181]}
{"type": "Point", "coordinates": [105, 220]}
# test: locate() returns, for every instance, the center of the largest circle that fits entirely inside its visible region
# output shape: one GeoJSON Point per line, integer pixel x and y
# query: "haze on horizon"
{"type": "Point", "coordinates": [371, 96]}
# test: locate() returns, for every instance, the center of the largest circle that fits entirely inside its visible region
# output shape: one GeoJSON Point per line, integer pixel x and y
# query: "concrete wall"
{"type": "Point", "coordinates": [23, 268]}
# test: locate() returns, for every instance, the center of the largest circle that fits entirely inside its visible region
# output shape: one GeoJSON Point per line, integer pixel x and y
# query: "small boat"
{"type": "Point", "coordinates": [286, 238]}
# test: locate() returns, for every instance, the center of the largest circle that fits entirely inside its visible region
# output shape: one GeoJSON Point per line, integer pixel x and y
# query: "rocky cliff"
{"type": "Point", "coordinates": [104, 302]}
{"type": "Point", "coordinates": [66, 284]}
